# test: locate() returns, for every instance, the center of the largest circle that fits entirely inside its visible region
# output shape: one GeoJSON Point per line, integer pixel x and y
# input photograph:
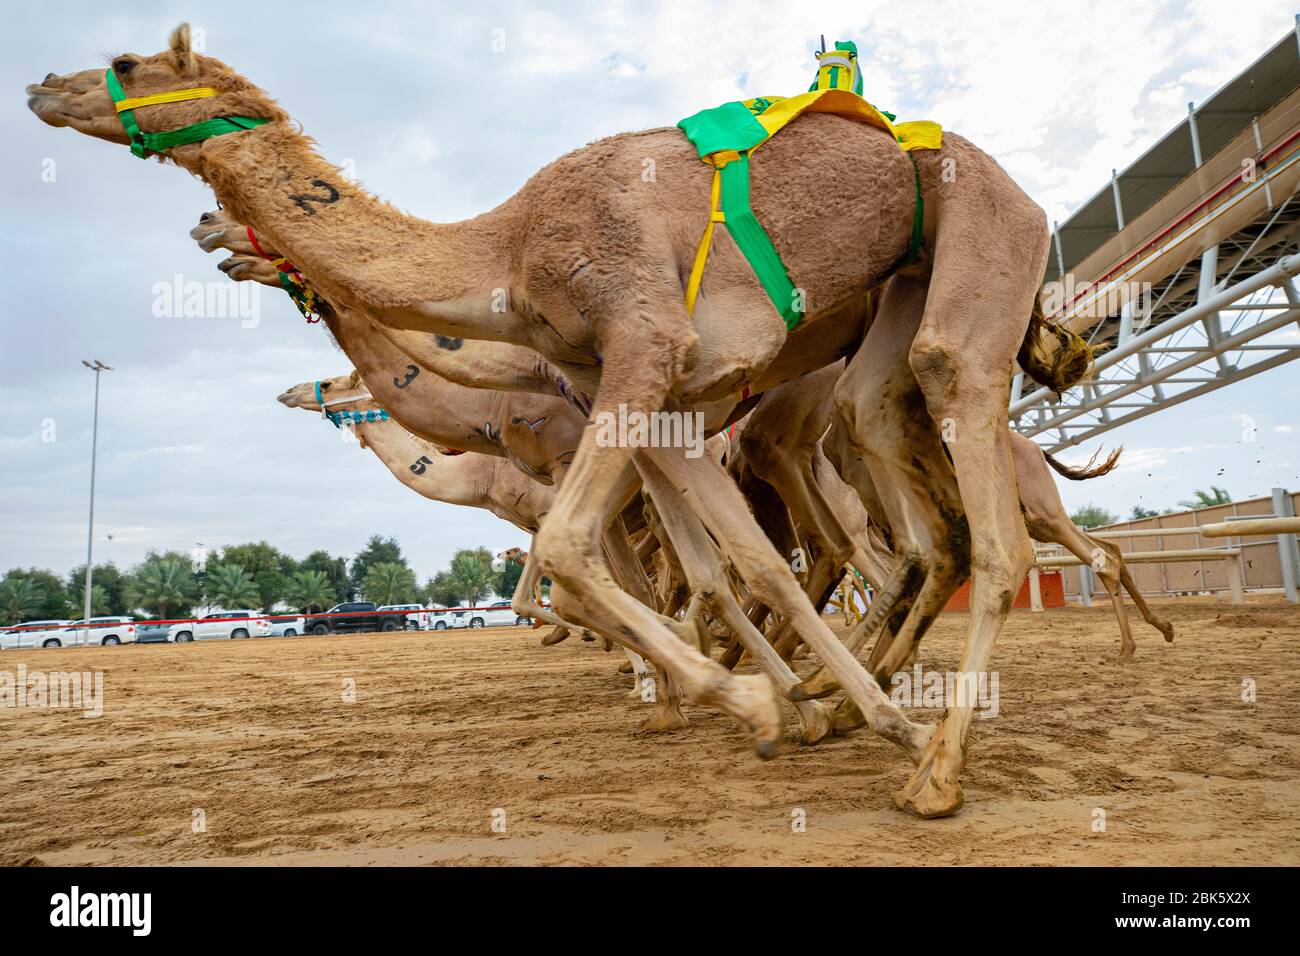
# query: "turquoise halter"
{"type": "Point", "coordinates": [339, 419]}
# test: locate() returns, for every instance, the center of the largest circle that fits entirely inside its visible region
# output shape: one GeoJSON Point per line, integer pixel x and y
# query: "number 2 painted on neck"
{"type": "Point", "coordinates": [331, 196]}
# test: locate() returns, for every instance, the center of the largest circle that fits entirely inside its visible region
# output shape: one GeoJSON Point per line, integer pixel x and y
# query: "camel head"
{"type": "Point", "coordinates": [84, 102]}
{"type": "Point", "coordinates": [244, 268]}
{"type": "Point", "coordinates": [305, 395]}
{"type": "Point", "coordinates": [219, 230]}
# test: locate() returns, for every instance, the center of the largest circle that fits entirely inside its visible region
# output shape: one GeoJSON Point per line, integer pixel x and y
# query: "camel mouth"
{"type": "Point", "coordinates": [43, 102]}
{"type": "Point", "coordinates": [207, 236]}
{"type": "Point", "coordinates": [233, 266]}
{"type": "Point", "coordinates": [289, 399]}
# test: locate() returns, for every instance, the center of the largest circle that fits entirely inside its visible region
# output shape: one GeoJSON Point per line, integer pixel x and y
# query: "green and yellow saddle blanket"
{"type": "Point", "coordinates": [726, 136]}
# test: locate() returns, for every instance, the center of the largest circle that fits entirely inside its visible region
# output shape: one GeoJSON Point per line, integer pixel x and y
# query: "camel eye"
{"type": "Point", "coordinates": [122, 67]}
{"type": "Point", "coordinates": [324, 386]}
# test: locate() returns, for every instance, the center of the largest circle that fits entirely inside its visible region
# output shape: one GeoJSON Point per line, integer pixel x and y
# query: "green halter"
{"type": "Point", "coordinates": [142, 144]}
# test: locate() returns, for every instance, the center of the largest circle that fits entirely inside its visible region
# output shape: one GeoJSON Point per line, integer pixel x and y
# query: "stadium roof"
{"type": "Point", "coordinates": [1223, 116]}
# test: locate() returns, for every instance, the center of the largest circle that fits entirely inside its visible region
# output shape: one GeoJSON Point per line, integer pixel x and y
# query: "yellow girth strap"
{"type": "Point", "coordinates": [716, 215]}
{"type": "Point", "coordinates": [173, 96]}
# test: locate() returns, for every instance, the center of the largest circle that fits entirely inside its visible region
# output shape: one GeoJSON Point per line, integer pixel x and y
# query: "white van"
{"type": "Point", "coordinates": [31, 634]}
{"type": "Point", "coordinates": [106, 631]}
{"type": "Point", "coordinates": [221, 625]}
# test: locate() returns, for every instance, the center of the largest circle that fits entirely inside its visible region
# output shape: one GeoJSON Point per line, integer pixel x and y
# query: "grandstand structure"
{"type": "Point", "coordinates": [1181, 270]}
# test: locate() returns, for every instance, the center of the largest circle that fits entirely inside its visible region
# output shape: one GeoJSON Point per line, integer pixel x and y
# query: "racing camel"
{"type": "Point", "coordinates": [586, 265]}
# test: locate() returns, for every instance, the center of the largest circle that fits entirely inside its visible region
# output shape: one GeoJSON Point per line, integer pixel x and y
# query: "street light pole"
{"type": "Point", "coordinates": [90, 532]}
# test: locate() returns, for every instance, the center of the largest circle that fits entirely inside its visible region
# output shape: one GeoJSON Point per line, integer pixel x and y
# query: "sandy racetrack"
{"type": "Point", "coordinates": [446, 729]}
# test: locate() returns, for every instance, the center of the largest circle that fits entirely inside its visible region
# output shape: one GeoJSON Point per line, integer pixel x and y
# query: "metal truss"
{"type": "Point", "coordinates": [1197, 335]}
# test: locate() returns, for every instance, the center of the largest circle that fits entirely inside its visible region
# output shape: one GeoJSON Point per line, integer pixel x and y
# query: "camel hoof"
{"type": "Point", "coordinates": [930, 801]}
{"type": "Point", "coordinates": [1167, 629]}
{"type": "Point", "coordinates": [754, 702]}
{"type": "Point", "coordinates": [664, 722]}
{"type": "Point", "coordinates": [815, 718]}
{"type": "Point", "coordinates": [556, 635]}
{"type": "Point", "coordinates": [847, 718]}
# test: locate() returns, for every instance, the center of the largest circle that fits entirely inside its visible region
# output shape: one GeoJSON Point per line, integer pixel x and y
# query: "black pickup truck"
{"type": "Point", "coordinates": [355, 616]}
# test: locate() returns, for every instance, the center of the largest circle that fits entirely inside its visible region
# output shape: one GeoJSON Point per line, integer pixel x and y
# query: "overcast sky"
{"type": "Point", "coordinates": [194, 448]}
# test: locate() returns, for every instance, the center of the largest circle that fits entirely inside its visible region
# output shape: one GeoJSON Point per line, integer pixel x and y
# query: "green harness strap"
{"type": "Point", "coordinates": [753, 241]}
{"type": "Point", "coordinates": [142, 143]}
{"type": "Point", "coordinates": [724, 137]}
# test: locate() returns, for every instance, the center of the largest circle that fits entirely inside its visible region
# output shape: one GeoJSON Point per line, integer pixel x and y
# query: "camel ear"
{"type": "Point", "coordinates": [354, 379]}
{"type": "Point", "coordinates": [182, 54]}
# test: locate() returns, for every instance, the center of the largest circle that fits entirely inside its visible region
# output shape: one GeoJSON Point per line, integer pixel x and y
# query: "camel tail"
{"type": "Point", "coordinates": [1052, 355]}
{"type": "Point", "coordinates": [1090, 470]}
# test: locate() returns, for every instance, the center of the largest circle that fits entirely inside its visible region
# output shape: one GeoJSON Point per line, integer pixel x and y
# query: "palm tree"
{"type": "Point", "coordinates": [230, 586]}
{"type": "Point", "coordinates": [472, 574]}
{"type": "Point", "coordinates": [165, 585]}
{"type": "Point", "coordinates": [309, 590]}
{"type": "Point", "coordinates": [389, 583]}
{"type": "Point", "coordinates": [1208, 499]}
{"type": "Point", "coordinates": [20, 598]}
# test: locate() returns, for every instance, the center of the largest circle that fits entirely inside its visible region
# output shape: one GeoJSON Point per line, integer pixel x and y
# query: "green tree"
{"type": "Point", "coordinates": [230, 586]}
{"type": "Point", "coordinates": [53, 601]}
{"type": "Point", "coordinates": [1092, 516]}
{"type": "Point", "coordinates": [508, 578]}
{"type": "Point", "coordinates": [268, 567]}
{"type": "Point", "coordinates": [389, 583]}
{"type": "Point", "coordinates": [378, 550]}
{"type": "Point", "coordinates": [309, 590]}
{"type": "Point", "coordinates": [443, 589]}
{"type": "Point", "coordinates": [1138, 513]}
{"type": "Point", "coordinates": [20, 598]}
{"type": "Point", "coordinates": [106, 576]}
{"type": "Point", "coordinates": [472, 571]}
{"type": "Point", "coordinates": [335, 571]}
{"type": "Point", "coordinates": [99, 603]}
{"type": "Point", "coordinates": [1207, 499]}
{"type": "Point", "coordinates": [163, 585]}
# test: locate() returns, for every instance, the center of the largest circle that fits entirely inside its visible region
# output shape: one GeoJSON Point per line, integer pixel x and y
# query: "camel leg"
{"type": "Point", "coordinates": [963, 356]}
{"type": "Point", "coordinates": [631, 577]}
{"type": "Point", "coordinates": [601, 479]}
{"type": "Point", "coordinates": [888, 610]}
{"type": "Point", "coordinates": [523, 602]}
{"type": "Point", "coordinates": [1159, 623]}
{"type": "Point", "coordinates": [702, 566]}
{"type": "Point", "coordinates": [716, 500]}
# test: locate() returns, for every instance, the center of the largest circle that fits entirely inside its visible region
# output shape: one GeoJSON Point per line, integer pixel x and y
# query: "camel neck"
{"type": "Point", "coordinates": [420, 466]}
{"type": "Point", "coordinates": [357, 250]}
{"type": "Point", "coordinates": [423, 402]}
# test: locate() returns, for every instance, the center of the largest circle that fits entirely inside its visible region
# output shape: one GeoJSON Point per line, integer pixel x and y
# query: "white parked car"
{"type": "Point", "coordinates": [106, 631]}
{"type": "Point", "coordinates": [286, 625]}
{"type": "Point", "coordinates": [495, 615]}
{"type": "Point", "coordinates": [31, 634]}
{"type": "Point", "coordinates": [417, 618]}
{"type": "Point", "coordinates": [222, 625]}
{"type": "Point", "coordinates": [442, 619]}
